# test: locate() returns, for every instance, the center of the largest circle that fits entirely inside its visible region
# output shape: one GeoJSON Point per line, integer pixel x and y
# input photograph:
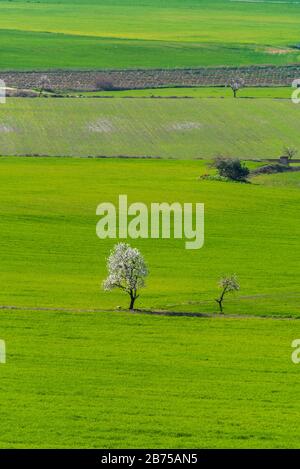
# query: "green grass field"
{"type": "Point", "coordinates": [50, 255]}
{"type": "Point", "coordinates": [166, 128]}
{"type": "Point", "coordinates": [81, 375]}
{"type": "Point", "coordinates": [194, 92]}
{"type": "Point", "coordinates": [122, 34]}
{"type": "Point", "coordinates": [115, 380]}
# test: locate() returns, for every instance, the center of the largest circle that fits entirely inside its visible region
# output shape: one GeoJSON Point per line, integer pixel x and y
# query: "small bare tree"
{"type": "Point", "coordinates": [236, 84]}
{"type": "Point", "coordinates": [290, 152]}
{"type": "Point", "coordinates": [227, 284]}
{"type": "Point", "coordinates": [127, 271]}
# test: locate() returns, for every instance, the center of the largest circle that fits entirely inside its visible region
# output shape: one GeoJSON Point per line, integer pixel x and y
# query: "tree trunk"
{"type": "Point", "coordinates": [132, 300]}
{"type": "Point", "coordinates": [220, 300]}
{"type": "Point", "coordinates": [220, 305]}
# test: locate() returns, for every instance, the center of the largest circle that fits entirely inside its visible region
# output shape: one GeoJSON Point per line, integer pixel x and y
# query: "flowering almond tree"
{"type": "Point", "coordinates": [127, 271]}
{"type": "Point", "coordinates": [236, 84]}
{"type": "Point", "coordinates": [227, 284]}
{"type": "Point", "coordinates": [43, 84]}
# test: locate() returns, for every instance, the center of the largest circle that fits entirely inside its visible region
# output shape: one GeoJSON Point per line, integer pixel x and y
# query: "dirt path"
{"type": "Point", "coordinates": [147, 312]}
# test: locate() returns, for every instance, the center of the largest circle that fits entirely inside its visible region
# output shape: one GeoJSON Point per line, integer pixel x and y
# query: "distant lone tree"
{"type": "Point", "coordinates": [231, 168]}
{"type": "Point", "coordinates": [290, 152]}
{"type": "Point", "coordinates": [127, 271]}
{"type": "Point", "coordinates": [236, 84]}
{"type": "Point", "coordinates": [227, 284]}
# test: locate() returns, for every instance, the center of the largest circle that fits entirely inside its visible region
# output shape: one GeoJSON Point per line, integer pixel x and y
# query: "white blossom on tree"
{"type": "Point", "coordinates": [127, 271]}
{"type": "Point", "coordinates": [227, 284]}
{"type": "Point", "coordinates": [236, 84]}
{"type": "Point", "coordinates": [43, 84]}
